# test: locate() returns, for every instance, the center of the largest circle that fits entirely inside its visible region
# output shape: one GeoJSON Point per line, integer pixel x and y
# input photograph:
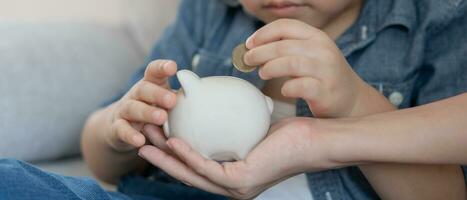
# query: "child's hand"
{"type": "Point", "coordinates": [320, 73]}
{"type": "Point", "coordinates": [145, 103]}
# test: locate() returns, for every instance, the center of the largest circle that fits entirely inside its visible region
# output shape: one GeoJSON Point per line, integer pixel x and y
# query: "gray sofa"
{"type": "Point", "coordinates": [57, 70]}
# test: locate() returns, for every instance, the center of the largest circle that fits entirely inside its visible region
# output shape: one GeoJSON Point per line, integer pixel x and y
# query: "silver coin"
{"type": "Point", "coordinates": [237, 59]}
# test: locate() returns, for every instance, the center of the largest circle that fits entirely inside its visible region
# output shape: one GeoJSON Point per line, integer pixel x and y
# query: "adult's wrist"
{"type": "Point", "coordinates": [360, 141]}
{"type": "Point", "coordinates": [339, 139]}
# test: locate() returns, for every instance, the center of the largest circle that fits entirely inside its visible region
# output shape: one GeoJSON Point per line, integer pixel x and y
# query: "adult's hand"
{"type": "Point", "coordinates": [291, 147]}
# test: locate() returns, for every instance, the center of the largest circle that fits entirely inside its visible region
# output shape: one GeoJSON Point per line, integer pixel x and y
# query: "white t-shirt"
{"type": "Point", "coordinates": [295, 187]}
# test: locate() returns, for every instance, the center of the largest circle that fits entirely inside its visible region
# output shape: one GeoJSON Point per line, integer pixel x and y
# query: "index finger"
{"type": "Point", "coordinates": [158, 71]}
{"type": "Point", "coordinates": [279, 30]}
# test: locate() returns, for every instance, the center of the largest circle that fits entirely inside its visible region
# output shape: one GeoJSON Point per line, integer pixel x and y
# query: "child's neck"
{"type": "Point", "coordinates": [336, 27]}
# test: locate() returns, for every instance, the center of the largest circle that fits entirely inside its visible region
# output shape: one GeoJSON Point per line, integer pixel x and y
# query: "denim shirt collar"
{"type": "Point", "coordinates": [375, 16]}
{"type": "Point", "coordinates": [396, 12]}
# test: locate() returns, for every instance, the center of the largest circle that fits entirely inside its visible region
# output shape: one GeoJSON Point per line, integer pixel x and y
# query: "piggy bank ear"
{"type": "Point", "coordinates": [270, 104]}
{"type": "Point", "coordinates": [189, 81]}
{"type": "Point", "coordinates": [166, 128]}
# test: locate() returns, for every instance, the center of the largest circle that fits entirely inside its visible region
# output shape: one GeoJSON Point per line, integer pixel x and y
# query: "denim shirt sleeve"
{"type": "Point", "coordinates": [178, 42]}
{"type": "Point", "coordinates": [444, 72]}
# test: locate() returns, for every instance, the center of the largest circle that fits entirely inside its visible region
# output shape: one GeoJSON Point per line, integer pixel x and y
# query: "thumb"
{"type": "Point", "coordinates": [158, 71]}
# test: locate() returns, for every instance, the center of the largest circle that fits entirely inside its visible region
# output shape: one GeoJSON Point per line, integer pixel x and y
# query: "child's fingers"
{"type": "Point", "coordinates": [156, 136]}
{"type": "Point", "coordinates": [158, 71]}
{"type": "Point", "coordinates": [279, 30]}
{"type": "Point", "coordinates": [153, 94]}
{"type": "Point", "coordinates": [125, 135]}
{"type": "Point", "coordinates": [137, 111]}
{"type": "Point", "coordinates": [305, 87]}
{"type": "Point", "coordinates": [292, 66]}
{"type": "Point", "coordinates": [267, 52]}
{"type": "Point", "coordinates": [137, 125]}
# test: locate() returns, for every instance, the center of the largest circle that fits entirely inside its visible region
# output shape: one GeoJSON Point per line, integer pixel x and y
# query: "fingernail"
{"type": "Point", "coordinates": [156, 115]}
{"type": "Point", "coordinates": [186, 183]}
{"type": "Point", "coordinates": [169, 144]}
{"type": "Point", "coordinates": [248, 42]}
{"type": "Point", "coordinates": [135, 138]}
{"type": "Point", "coordinates": [166, 65]}
{"type": "Point", "coordinates": [141, 154]}
{"type": "Point", "coordinates": [246, 57]}
{"type": "Point", "coordinates": [261, 76]}
{"type": "Point", "coordinates": [284, 92]}
{"type": "Point", "coordinates": [162, 64]}
{"type": "Point", "coordinates": [167, 99]}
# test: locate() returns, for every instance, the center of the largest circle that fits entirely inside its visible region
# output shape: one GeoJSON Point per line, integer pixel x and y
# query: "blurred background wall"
{"type": "Point", "coordinates": [101, 11]}
{"type": "Point", "coordinates": [143, 18]}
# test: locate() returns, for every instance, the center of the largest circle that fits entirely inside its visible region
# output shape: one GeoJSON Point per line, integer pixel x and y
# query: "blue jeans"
{"type": "Point", "coordinates": [19, 180]}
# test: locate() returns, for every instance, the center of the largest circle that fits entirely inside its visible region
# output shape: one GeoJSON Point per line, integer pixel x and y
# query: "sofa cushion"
{"type": "Point", "coordinates": [52, 76]}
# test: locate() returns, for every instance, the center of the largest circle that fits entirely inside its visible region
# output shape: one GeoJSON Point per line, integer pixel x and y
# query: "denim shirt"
{"type": "Point", "coordinates": [414, 52]}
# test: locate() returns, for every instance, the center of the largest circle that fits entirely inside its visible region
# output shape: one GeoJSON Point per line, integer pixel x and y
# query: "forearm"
{"type": "Point", "coordinates": [439, 136]}
{"type": "Point", "coordinates": [401, 181]}
{"type": "Point", "coordinates": [106, 163]}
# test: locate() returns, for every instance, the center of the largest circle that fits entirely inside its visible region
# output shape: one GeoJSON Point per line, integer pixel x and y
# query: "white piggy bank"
{"type": "Point", "coordinates": [222, 117]}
